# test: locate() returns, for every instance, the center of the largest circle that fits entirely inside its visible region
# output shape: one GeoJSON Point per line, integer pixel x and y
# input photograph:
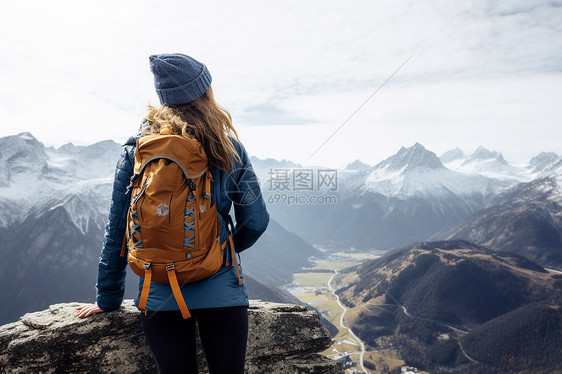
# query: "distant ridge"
{"type": "Point", "coordinates": [525, 220]}
{"type": "Point", "coordinates": [451, 155]}
{"type": "Point", "coordinates": [357, 165]}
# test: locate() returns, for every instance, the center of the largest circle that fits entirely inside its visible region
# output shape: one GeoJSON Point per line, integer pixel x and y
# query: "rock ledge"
{"type": "Point", "coordinates": [283, 338]}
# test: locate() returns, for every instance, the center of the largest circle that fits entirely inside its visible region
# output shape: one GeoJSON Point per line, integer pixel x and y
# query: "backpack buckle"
{"type": "Point", "coordinates": [170, 267]}
{"type": "Point", "coordinates": [146, 266]}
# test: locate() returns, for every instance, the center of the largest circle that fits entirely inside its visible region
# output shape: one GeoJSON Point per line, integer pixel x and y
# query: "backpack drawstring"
{"type": "Point", "coordinates": [233, 252]}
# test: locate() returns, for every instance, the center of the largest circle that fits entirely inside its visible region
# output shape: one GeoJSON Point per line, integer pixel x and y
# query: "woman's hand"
{"type": "Point", "coordinates": [87, 309]}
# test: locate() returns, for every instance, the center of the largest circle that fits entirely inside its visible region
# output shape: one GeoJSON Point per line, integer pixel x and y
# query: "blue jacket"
{"type": "Point", "coordinates": [220, 290]}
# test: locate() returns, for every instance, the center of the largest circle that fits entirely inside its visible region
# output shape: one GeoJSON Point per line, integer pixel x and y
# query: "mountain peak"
{"type": "Point", "coordinates": [26, 136]}
{"type": "Point", "coordinates": [21, 138]}
{"type": "Point", "coordinates": [68, 147]}
{"type": "Point", "coordinates": [452, 155]}
{"type": "Point", "coordinates": [418, 146]}
{"type": "Point", "coordinates": [267, 163]}
{"type": "Point", "coordinates": [357, 165]}
{"type": "Point", "coordinates": [541, 160]}
{"type": "Point", "coordinates": [411, 158]}
{"type": "Point", "coordinates": [482, 154]}
{"type": "Point", "coordinates": [22, 145]}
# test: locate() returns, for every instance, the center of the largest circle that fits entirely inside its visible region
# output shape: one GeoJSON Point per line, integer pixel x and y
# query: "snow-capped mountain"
{"type": "Point", "coordinates": [415, 171]}
{"type": "Point", "coordinates": [20, 155]}
{"type": "Point", "coordinates": [411, 158]}
{"type": "Point", "coordinates": [543, 160]}
{"type": "Point", "coordinates": [406, 197]}
{"type": "Point", "coordinates": [34, 178]}
{"type": "Point", "coordinates": [490, 164]}
{"type": "Point", "coordinates": [24, 159]}
{"type": "Point", "coordinates": [547, 165]}
{"type": "Point", "coordinates": [452, 155]}
{"type": "Point", "coordinates": [94, 161]}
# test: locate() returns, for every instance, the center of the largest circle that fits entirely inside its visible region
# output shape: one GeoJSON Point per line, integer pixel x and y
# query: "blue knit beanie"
{"type": "Point", "coordinates": [178, 78]}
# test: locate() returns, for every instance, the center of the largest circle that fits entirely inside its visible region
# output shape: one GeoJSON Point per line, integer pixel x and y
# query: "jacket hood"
{"type": "Point", "coordinates": [132, 140]}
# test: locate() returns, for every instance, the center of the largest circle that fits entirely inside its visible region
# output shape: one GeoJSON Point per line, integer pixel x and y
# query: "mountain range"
{"type": "Point", "coordinates": [408, 197]}
{"type": "Point", "coordinates": [54, 205]}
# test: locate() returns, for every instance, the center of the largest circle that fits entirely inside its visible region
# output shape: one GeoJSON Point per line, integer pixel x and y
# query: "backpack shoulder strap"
{"type": "Point", "coordinates": [231, 243]}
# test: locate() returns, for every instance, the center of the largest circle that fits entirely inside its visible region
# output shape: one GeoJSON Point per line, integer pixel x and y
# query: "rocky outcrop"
{"type": "Point", "coordinates": [283, 338]}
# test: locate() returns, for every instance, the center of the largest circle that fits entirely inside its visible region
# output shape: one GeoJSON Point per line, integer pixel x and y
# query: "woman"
{"type": "Point", "coordinates": [219, 303]}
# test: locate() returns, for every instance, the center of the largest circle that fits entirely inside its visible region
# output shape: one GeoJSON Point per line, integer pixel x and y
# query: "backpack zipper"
{"type": "Point", "coordinates": [138, 196]}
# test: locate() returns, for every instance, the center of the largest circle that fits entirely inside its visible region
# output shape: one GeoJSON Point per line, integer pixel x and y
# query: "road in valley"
{"type": "Point", "coordinates": [342, 324]}
{"type": "Point", "coordinates": [433, 321]}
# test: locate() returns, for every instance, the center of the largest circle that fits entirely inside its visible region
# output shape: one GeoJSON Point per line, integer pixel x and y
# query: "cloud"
{"type": "Point", "coordinates": [79, 70]}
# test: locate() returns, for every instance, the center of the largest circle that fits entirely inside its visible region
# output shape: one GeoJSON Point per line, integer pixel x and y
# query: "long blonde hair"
{"type": "Point", "coordinates": [202, 119]}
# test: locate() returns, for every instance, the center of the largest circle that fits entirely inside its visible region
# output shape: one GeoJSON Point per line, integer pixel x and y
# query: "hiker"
{"type": "Point", "coordinates": [219, 302]}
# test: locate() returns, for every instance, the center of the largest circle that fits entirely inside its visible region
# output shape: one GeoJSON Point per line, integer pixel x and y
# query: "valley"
{"type": "Point", "coordinates": [317, 289]}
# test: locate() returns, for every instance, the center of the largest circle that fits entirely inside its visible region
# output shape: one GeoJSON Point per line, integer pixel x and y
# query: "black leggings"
{"type": "Point", "coordinates": [223, 331]}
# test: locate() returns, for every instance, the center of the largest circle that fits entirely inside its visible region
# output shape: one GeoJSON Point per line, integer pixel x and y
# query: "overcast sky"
{"type": "Point", "coordinates": [291, 72]}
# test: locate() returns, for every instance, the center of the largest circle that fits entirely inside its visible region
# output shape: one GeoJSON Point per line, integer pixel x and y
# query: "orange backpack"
{"type": "Point", "coordinates": [173, 230]}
